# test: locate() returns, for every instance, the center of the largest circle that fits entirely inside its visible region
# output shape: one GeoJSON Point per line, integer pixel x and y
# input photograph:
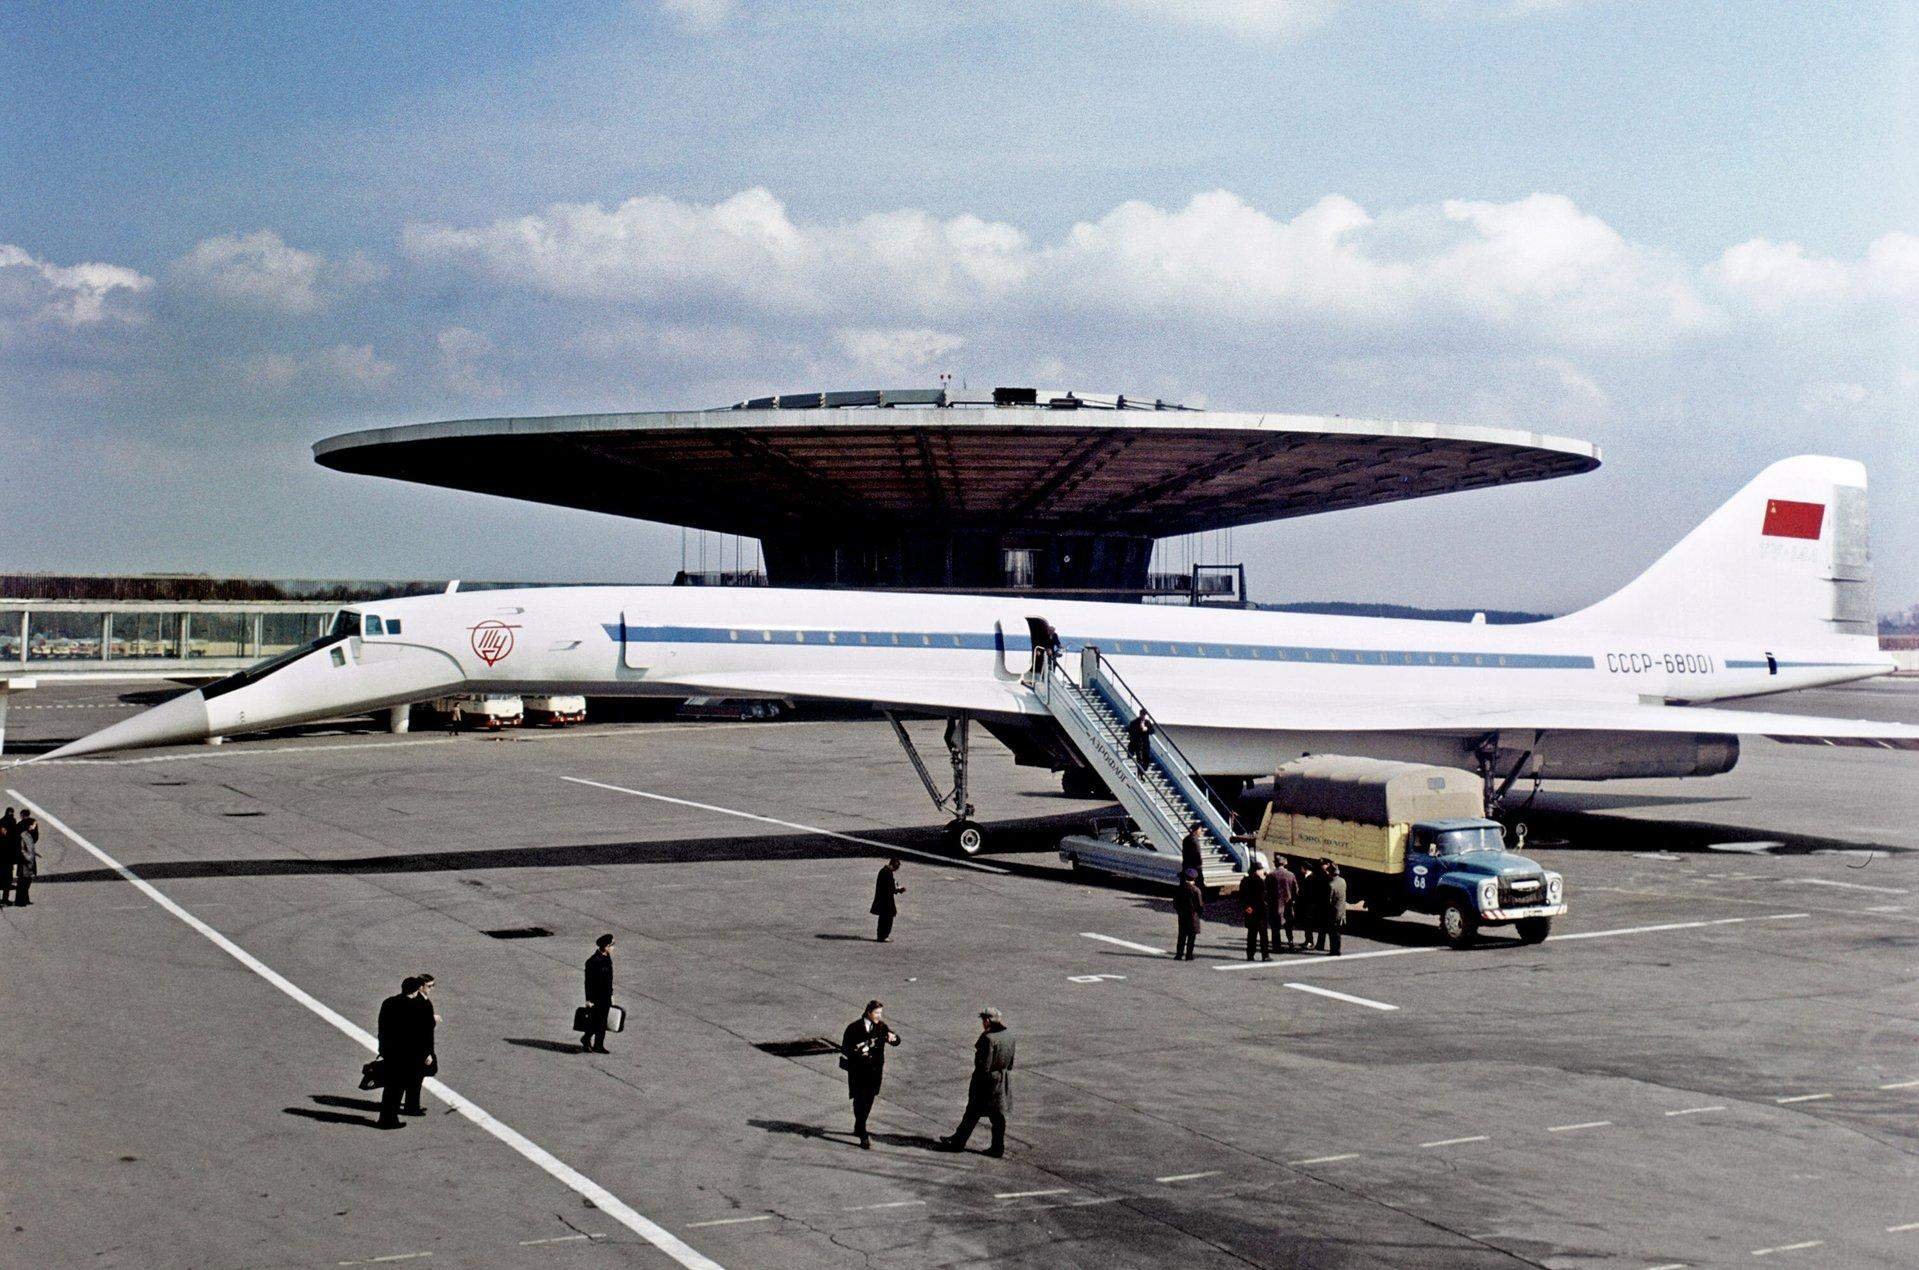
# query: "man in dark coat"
{"type": "Point", "coordinates": [1252, 907]}
{"type": "Point", "coordinates": [406, 1050]}
{"type": "Point", "coordinates": [1190, 855]}
{"type": "Point", "coordinates": [863, 1055]}
{"type": "Point", "coordinates": [599, 995]}
{"type": "Point", "coordinates": [885, 907]}
{"type": "Point", "coordinates": [990, 1092]}
{"type": "Point", "coordinates": [1189, 902]}
{"type": "Point", "coordinates": [26, 856]}
{"type": "Point", "coordinates": [9, 853]}
{"type": "Point", "coordinates": [1139, 741]}
{"type": "Point", "coordinates": [1335, 903]}
{"type": "Point", "coordinates": [1313, 896]}
{"type": "Point", "coordinates": [1282, 889]}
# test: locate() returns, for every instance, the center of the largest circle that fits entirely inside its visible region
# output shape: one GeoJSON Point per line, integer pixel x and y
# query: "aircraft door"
{"type": "Point", "coordinates": [636, 653]}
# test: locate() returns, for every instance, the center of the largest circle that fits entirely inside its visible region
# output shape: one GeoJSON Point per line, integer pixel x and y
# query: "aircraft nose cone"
{"type": "Point", "coordinates": [182, 719]}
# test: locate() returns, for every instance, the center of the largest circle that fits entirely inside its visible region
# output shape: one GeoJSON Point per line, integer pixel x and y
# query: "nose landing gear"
{"type": "Point", "coordinates": [964, 836]}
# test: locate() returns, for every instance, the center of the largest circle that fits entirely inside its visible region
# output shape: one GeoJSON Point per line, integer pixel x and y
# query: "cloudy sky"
{"type": "Point", "coordinates": [1687, 231]}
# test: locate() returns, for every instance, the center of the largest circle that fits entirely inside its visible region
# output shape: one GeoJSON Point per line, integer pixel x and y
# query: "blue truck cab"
{"type": "Point", "coordinates": [1461, 870]}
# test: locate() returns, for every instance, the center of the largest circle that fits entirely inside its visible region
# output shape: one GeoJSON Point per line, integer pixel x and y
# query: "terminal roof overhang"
{"type": "Point", "coordinates": [762, 468]}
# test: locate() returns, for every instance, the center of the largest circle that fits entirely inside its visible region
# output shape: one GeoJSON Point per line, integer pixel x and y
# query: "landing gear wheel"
{"type": "Point", "coordinates": [1458, 924]}
{"type": "Point", "coordinates": [965, 837]}
{"type": "Point", "coordinates": [1533, 930]}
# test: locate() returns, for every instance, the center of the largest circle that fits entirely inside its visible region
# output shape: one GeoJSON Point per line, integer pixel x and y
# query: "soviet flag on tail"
{"type": "Point", "coordinates": [1787, 519]}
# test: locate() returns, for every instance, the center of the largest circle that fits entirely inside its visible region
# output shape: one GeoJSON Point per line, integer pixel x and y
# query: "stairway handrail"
{"type": "Point", "coordinates": [1213, 808]}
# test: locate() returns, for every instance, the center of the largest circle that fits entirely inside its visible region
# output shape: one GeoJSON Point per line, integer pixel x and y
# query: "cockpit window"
{"type": "Point", "coordinates": [345, 622]}
{"type": "Point", "coordinates": [393, 626]}
{"type": "Point", "coordinates": [253, 674]}
{"type": "Point", "coordinates": [370, 625]}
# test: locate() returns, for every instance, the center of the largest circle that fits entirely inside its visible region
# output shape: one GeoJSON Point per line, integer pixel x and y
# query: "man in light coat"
{"type": "Point", "coordinates": [989, 1093]}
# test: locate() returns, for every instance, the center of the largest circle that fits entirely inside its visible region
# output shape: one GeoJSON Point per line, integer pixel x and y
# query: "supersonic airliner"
{"type": "Point", "coordinates": [1771, 593]}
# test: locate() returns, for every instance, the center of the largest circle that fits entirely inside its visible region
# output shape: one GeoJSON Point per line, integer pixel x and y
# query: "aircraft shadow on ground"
{"type": "Point", "coordinates": [1007, 839]}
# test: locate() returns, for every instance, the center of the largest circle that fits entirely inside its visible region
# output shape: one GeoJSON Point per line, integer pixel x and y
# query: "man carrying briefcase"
{"type": "Point", "coordinates": [591, 1019]}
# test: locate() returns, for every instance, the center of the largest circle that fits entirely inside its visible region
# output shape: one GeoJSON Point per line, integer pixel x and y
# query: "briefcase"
{"type": "Point", "coordinates": [373, 1074]}
{"type": "Point", "coordinates": [615, 1018]}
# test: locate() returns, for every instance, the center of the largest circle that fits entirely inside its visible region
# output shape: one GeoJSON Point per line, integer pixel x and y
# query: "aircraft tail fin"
{"type": "Point", "coordinates": [1784, 560]}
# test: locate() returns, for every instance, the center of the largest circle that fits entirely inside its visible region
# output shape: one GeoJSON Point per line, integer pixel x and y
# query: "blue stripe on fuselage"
{"type": "Point", "coordinates": [948, 640]}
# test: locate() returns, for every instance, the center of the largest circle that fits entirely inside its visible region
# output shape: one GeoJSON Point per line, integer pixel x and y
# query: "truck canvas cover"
{"type": "Point", "coordinates": [1376, 791]}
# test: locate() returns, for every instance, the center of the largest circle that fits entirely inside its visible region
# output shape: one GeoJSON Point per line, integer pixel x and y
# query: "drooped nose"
{"type": "Point", "coordinates": [174, 722]}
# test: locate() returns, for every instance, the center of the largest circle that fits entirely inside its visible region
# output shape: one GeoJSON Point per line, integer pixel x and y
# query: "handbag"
{"type": "Point", "coordinates": [373, 1074]}
{"type": "Point", "coordinates": [615, 1019]}
{"type": "Point", "coordinates": [583, 1019]}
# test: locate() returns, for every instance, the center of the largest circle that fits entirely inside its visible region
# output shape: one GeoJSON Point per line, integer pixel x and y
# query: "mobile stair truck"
{"type": "Point", "coordinates": [1408, 837]}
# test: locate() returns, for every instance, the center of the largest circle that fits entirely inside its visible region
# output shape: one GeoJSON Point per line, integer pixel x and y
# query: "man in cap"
{"type": "Point", "coordinates": [599, 995]}
{"type": "Point", "coordinates": [1282, 889]}
{"type": "Point", "coordinates": [989, 1093]}
{"type": "Point", "coordinates": [884, 906]}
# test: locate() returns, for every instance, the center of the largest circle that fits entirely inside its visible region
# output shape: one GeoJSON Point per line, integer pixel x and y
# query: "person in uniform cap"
{"type": "Point", "coordinates": [1139, 741]}
{"type": "Point", "coordinates": [599, 995]}
{"type": "Point", "coordinates": [1189, 902]}
{"type": "Point", "coordinates": [406, 1050]}
{"type": "Point", "coordinates": [1282, 890]}
{"type": "Point", "coordinates": [1252, 906]}
{"type": "Point", "coordinates": [1312, 904]}
{"type": "Point", "coordinates": [885, 907]}
{"type": "Point", "coordinates": [863, 1055]}
{"type": "Point", "coordinates": [990, 1092]}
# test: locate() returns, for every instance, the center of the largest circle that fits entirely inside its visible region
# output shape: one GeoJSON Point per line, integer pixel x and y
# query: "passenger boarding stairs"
{"type": "Point", "coordinates": [1094, 713]}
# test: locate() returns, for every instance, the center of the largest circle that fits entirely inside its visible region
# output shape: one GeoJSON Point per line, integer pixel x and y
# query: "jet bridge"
{"type": "Point", "coordinates": [1163, 801]}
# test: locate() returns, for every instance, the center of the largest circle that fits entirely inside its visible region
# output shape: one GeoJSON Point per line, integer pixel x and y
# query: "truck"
{"type": "Point", "coordinates": [1409, 837]}
{"type": "Point", "coordinates": [489, 710]}
{"type": "Point", "coordinates": [557, 711]}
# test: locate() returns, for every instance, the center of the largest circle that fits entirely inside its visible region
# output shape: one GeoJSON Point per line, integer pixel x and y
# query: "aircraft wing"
{"type": "Point", "coordinates": [1214, 707]}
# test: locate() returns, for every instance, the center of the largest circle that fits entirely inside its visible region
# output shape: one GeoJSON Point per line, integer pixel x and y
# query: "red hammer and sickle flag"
{"type": "Point", "coordinates": [1786, 519]}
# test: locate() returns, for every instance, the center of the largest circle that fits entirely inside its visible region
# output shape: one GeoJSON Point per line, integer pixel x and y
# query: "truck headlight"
{"type": "Point", "coordinates": [1489, 894]}
{"type": "Point", "coordinates": [1555, 887]}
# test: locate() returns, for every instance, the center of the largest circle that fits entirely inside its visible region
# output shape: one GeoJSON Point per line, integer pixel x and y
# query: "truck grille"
{"type": "Point", "coordinates": [1522, 892]}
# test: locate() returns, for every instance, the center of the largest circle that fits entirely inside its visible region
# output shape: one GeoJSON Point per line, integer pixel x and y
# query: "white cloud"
{"type": "Point", "coordinates": [1268, 20]}
{"type": "Point", "coordinates": [1780, 278]}
{"type": "Point", "coordinates": [894, 353]}
{"type": "Point", "coordinates": [34, 290]}
{"type": "Point", "coordinates": [466, 363]}
{"type": "Point", "coordinates": [257, 270]}
{"type": "Point", "coordinates": [699, 15]}
{"type": "Point", "coordinates": [744, 250]}
{"type": "Point", "coordinates": [352, 366]}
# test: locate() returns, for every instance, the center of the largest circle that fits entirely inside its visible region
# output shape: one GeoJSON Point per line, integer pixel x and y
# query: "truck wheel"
{"type": "Point", "coordinates": [1533, 930]}
{"type": "Point", "coordinates": [965, 837]}
{"type": "Point", "coordinates": [1458, 924]}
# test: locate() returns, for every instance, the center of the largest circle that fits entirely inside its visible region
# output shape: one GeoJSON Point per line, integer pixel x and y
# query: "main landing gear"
{"type": "Point", "coordinates": [963, 835]}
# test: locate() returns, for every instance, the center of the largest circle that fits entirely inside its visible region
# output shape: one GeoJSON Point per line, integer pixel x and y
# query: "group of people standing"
{"type": "Point", "coordinates": [1275, 904]}
{"type": "Point", "coordinates": [19, 856]}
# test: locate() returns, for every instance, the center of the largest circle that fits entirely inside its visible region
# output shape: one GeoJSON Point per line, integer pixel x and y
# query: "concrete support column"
{"type": "Point", "coordinates": [399, 719]}
{"type": "Point", "coordinates": [7, 688]}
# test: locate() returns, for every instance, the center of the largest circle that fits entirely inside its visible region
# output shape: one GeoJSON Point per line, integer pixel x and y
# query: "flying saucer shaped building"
{"type": "Point", "coordinates": [1059, 491]}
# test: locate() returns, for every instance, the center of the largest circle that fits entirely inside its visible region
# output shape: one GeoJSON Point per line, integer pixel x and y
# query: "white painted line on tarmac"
{"type": "Point", "coordinates": [1302, 963]}
{"type": "Point", "coordinates": [1885, 908]}
{"type": "Point", "coordinates": [380, 1261]}
{"type": "Point", "coordinates": [729, 1221]}
{"type": "Point", "coordinates": [1057, 1190]}
{"type": "Point", "coordinates": [887, 847]}
{"type": "Point", "coordinates": [1669, 1265]}
{"type": "Point", "coordinates": [1901, 1084]}
{"type": "Point", "coordinates": [1455, 1142]}
{"type": "Point", "coordinates": [558, 1239]}
{"type": "Point", "coordinates": [1798, 1247]}
{"type": "Point", "coordinates": [898, 1203]}
{"type": "Point", "coordinates": [574, 1180]}
{"type": "Point", "coordinates": [1368, 1002]}
{"type": "Point", "coordinates": [1586, 1124]}
{"type": "Point", "coordinates": [1123, 943]}
{"type": "Point", "coordinates": [1696, 1111]}
{"type": "Point", "coordinates": [1803, 1098]}
{"type": "Point", "coordinates": [1328, 1159]}
{"type": "Point", "coordinates": [1850, 886]}
{"type": "Point", "coordinates": [1187, 1177]}
{"type": "Point", "coordinates": [1901, 1229]}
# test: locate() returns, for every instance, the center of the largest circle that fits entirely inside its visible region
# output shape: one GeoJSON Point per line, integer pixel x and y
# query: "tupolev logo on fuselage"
{"type": "Point", "coordinates": [492, 641]}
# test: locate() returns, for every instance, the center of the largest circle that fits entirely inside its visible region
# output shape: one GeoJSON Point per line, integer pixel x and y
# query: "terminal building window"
{"type": "Point", "coordinates": [1017, 566]}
